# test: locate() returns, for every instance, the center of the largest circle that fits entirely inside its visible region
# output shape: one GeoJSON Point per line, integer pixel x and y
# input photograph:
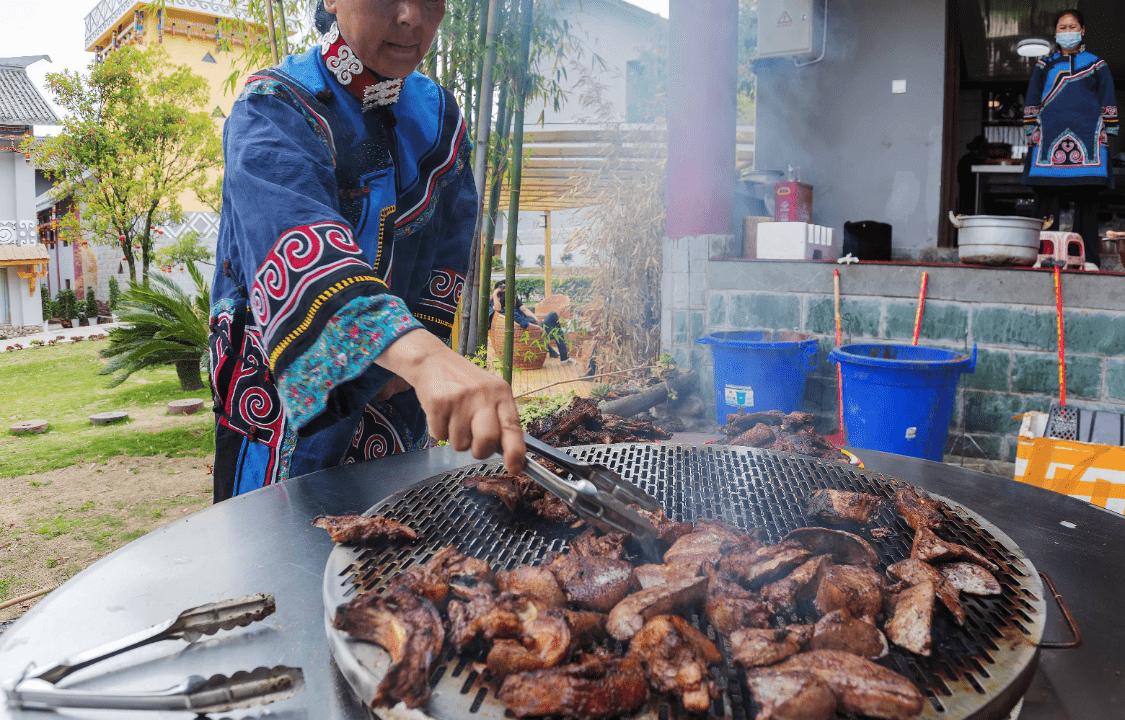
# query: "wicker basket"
{"type": "Point", "coordinates": [554, 303]}
{"type": "Point", "coordinates": [528, 349]}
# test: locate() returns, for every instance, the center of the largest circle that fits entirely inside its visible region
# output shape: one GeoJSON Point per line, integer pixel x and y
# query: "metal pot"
{"type": "Point", "coordinates": [998, 239]}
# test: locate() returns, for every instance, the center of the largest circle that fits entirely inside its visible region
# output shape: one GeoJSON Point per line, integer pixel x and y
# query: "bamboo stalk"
{"type": "Point", "coordinates": [273, 31]}
{"type": "Point", "coordinates": [526, 8]}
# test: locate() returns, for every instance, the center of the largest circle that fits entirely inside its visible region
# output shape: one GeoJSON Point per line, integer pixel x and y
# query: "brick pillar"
{"type": "Point", "coordinates": [702, 71]}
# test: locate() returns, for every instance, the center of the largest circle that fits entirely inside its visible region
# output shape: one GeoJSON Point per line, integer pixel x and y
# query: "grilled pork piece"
{"type": "Point", "coordinates": [909, 626]}
{"type": "Point", "coordinates": [844, 547]}
{"type": "Point", "coordinates": [765, 564]}
{"type": "Point", "coordinates": [520, 493]}
{"type": "Point", "coordinates": [838, 630]}
{"type": "Point", "coordinates": [630, 615]}
{"type": "Point", "coordinates": [913, 571]}
{"type": "Point", "coordinates": [791, 695]}
{"type": "Point", "coordinates": [543, 642]}
{"type": "Point", "coordinates": [597, 686]}
{"type": "Point", "coordinates": [757, 436]}
{"type": "Point", "coordinates": [537, 583]}
{"type": "Point", "coordinates": [676, 657]}
{"type": "Point", "coordinates": [433, 579]}
{"type": "Point", "coordinates": [841, 506]}
{"type": "Point", "coordinates": [592, 582]}
{"type": "Point", "coordinates": [646, 576]}
{"type": "Point", "coordinates": [362, 530]}
{"type": "Point", "coordinates": [730, 606]}
{"type": "Point", "coordinates": [783, 595]}
{"type": "Point", "coordinates": [854, 588]}
{"type": "Point", "coordinates": [667, 530]}
{"type": "Point", "coordinates": [919, 510]}
{"type": "Point", "coordinates": [409, 628]}
{"type": "Point", "coordinates": [930, 548]}
{"type": "Point", "coordinates": [860, 686]}
{"type": "Point", "coordinates": [754, 647]}
{"type": "Point", "coordinates": [970, 578]}
{"type": "Point", "coordinates": [708, 542]}
{"type": "Point", "coordinates": [590, 544]}
{"type": "Point", "coordinates": [487, 617]}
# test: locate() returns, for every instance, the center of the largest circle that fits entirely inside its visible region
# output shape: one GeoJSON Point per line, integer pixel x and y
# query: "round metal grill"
{"type": "Point", "coordinates": [976, 671]}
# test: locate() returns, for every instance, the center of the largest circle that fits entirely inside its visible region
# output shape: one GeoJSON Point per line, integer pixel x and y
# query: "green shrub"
{"type": "Point", "coordinates": [91, 303]}
{"type": "Point", "coordinates": [66, 304]}
{"type": "Point", "coordinates": [114, 294]}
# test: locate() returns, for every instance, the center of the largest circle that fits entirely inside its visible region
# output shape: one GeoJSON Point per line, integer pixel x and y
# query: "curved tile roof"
{"type": "Point", "coordinates": [21, 103]}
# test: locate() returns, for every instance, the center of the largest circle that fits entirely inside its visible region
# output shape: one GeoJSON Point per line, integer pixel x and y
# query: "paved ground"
{"type": "Point", "coordinates": [54, 331]}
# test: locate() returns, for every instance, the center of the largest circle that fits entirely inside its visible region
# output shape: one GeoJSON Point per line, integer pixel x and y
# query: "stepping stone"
{"type": "Point", "coordinates": [187, 406]}
{"type": "Point", "coordinates": [106, 418]}
{"type": "Point", "coordinates": [29, 427]}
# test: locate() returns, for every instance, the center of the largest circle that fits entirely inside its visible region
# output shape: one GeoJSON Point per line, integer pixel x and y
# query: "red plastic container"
{"type": "Point", "coordinates": [794, 202]}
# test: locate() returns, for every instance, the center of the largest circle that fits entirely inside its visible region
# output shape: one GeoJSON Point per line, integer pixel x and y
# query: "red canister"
{"type": "Point", "coordinates": [794, 202]}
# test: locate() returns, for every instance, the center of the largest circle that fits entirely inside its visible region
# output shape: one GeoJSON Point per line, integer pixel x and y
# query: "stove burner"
{"type": "Point", "coordinates": [977, 671]}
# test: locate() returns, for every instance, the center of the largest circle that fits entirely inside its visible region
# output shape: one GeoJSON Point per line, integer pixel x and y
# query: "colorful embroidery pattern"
{"type": "Point", "coordinates": [440, 298]}
{"type": "Point", "coordinates": [344, 350]}
{"type": "Point", "coordinates": [304, 269]}
{"type": "Point", "coordinates": [247, 401]}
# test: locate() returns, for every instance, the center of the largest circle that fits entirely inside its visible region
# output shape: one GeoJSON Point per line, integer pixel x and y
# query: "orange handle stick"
{"type": "Point", "coordinates": [921, 303]}
{"type": "Point", "coordinates": [1062, 344]}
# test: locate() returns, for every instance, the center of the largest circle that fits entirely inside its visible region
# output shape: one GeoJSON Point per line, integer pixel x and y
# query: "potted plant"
{"type": "Point", "coordinates": [67, 302]}
{"type": "Point", "coordinates": [91, 307]}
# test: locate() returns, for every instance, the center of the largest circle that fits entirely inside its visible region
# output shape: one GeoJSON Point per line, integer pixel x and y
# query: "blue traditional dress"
{"type": "Point", "coordinates": [348, 216]}
{"type": "Point", "coordinates": [1070, 110]}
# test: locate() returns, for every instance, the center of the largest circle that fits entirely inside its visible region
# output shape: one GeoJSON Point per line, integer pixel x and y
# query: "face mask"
{"type": "Point", "coordinates": [1068, 40]}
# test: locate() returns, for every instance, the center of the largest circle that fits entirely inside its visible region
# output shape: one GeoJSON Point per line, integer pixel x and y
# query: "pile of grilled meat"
{"type": "Point", "coordinates": [806, 618]}
{"type": "Point", "coordinates": [582, 423]}
{"type": "Point", "coordinates": [793, 432]}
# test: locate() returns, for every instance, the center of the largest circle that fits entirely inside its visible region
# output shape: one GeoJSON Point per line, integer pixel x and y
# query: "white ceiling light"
{"type": "Point", "coordinates": [1033, 47]}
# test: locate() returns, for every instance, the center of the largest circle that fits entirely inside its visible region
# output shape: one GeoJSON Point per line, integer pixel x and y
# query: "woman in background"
{"type": "Point", "coordinates": [1070, 113]}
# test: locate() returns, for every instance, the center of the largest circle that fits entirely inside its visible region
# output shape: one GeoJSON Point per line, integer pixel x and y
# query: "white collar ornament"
{"type": "Point", "coordinates": [342, 61]}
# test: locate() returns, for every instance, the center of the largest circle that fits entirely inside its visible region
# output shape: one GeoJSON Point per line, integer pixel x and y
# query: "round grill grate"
{"type": "Point", "coordinates": [976, 671]}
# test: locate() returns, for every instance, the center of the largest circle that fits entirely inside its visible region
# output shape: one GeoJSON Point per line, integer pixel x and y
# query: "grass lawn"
{"type": "Point", "coordinates": [77, 492]}
{"type": "Point", "coordinates": [60, 384]}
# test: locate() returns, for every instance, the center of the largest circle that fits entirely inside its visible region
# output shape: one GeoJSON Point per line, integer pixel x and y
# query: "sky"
{"type": "Point", "coordinates": [57, 28]}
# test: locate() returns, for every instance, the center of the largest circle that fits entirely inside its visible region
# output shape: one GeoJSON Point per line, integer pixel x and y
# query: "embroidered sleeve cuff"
{"type": "Point", "coordinates": [338, 374]}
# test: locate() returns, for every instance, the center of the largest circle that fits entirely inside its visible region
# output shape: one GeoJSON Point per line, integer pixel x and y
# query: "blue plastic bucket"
{"type": "Point", "coordinates": [899, 398]}
{"type": "Point", "coordinates": [755, 372]}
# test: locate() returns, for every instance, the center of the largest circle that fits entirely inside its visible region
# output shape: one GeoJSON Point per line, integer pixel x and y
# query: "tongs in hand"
{"type": "Point", "coordinates": [39, 690]}
{"type": "Point", "coordinates": [597, 495]}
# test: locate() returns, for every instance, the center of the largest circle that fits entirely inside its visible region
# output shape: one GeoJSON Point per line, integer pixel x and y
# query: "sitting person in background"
{"type": "Point", "coordinates": [524, 317]}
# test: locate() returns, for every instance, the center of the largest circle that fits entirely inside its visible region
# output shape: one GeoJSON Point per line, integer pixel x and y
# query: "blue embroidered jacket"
{"type": "Point", "coordinates": [1070, 110]}
{"type": "Point", "coordinates": [340, 231]}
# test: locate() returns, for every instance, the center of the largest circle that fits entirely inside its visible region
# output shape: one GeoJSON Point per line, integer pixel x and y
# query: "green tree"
{"type": "Point", "coordinates": [187, 250]}
{"type": "Point", "coordinates": [747, 49]}
{"type": "Point", "coordinates": [136, 134]}
{"type": "Point", "coordinates": [162, 325]}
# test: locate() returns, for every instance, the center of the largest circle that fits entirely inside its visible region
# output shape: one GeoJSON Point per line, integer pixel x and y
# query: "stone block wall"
{"type": "Point", "coordinates": [1009, 314]}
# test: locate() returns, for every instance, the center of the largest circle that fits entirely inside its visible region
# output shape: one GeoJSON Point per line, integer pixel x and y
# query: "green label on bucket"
{"type": "Point", "coordinates": [739, 395]}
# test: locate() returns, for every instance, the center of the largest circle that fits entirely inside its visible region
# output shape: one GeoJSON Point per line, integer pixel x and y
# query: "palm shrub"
{"type": "Point", "coordinates": [161, 324]}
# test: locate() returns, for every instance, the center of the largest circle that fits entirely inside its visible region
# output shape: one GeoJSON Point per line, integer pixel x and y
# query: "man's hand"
{"type": "Point", "coordinates": [464, 404]}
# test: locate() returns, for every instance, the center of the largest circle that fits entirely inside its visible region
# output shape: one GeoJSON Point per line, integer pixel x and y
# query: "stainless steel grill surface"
{"type": "Point", "coordinates": [976, 671]}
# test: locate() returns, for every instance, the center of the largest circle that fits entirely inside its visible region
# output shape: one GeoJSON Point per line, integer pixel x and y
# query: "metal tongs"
{"type": "Point", "coordinates": [219, 693]}
{"type": "Point", "coordinates": [597, 495]}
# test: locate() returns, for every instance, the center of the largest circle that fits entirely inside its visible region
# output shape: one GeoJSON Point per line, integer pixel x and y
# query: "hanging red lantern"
{"type": "Point", "coordinates": [120, 237]}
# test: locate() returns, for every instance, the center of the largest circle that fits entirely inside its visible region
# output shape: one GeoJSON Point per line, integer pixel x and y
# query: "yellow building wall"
{"type": "Point", "coordinates": [188, 38]}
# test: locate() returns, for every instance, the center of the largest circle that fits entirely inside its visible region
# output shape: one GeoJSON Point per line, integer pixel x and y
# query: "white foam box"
{"type": "Point", "coordinates": [796, 241]}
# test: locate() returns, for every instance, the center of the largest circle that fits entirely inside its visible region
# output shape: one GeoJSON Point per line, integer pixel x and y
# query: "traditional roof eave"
{"type": "Point", "coordinates": [21, 103]}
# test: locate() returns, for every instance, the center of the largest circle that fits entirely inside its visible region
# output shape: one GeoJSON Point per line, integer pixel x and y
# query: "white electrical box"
{"type": "Point", "coordinates": [789, 27]}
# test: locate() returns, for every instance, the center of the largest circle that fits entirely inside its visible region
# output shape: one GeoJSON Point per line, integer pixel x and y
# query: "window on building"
{"type": "Point", "coordinates": [209, 59]}
{"type": "Point", "coordinates": [218, 112]}
{"type": "Point", "coordinates": [67, 284]}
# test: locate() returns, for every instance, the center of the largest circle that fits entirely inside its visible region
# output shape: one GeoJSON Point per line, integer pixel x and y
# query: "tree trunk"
{"type": "Point", "coordinates": [188, 373]}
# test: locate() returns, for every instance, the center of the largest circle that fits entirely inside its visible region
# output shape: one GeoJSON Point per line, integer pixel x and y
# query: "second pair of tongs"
{"type": "Point", "coordinates": [38, 689]}
{"type": "Point", "coordinates": [597, 495]}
